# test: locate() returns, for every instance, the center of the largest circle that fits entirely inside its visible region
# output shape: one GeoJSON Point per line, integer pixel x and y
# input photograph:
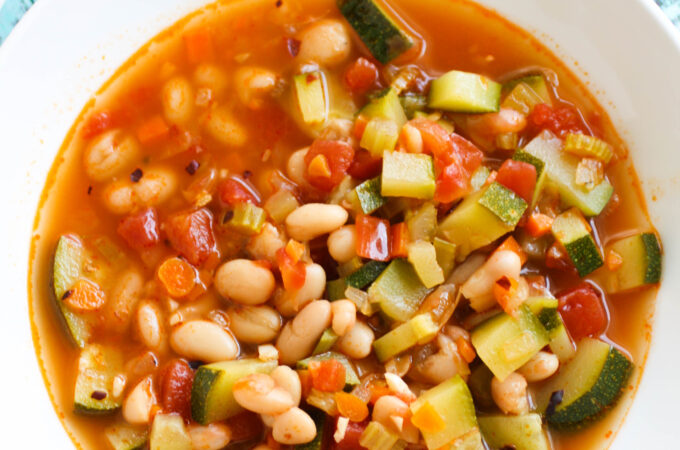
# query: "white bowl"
{"type": "Point", "coordinates": [62, 52]}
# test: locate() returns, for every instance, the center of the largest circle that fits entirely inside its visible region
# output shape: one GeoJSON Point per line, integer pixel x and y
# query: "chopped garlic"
{"type": "Point", "coordinates": [267, 353]}
{"type": "Point", "coordinates": [341, 429]}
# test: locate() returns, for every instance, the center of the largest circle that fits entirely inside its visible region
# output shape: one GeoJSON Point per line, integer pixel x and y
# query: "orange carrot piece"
{"type": "Point", "coordinates": [505, 293]}
{"type": "Point", "coordinates": [351, 406]}
{"type": "Point", "coordinates": [295, 250]}
{"type": "Point", "coordinates": [199, 46]}
{"type": "Point", "coordinates": [177, 276]}
{"type": "Point", "coordinates": [327, 375]}
{"type": "Point", "coordinates": [511, 244]}
{"type": "Point", "coordinates": [427, 419]}
{"type": "Point", "coordinates": [319, 167]}
{"type": "Point", "coordinates": [400, 240]}
{"type": "Point", "coordinates": [84, 296]}
{"type": "Point", "coordinates": [613, 260]}
{"type": "Point", "coordinates": [360, 126]}
{"type": "Point", "coordinates": [539, 224]}
{"type": "Point", "coordinates": [152, 130]}
{"type": "Point", "coordinates": [466, 349]}
{"type": "Point", "coordinates": [305, 382]}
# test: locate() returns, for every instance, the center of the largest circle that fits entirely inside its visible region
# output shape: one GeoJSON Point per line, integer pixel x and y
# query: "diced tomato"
{"type": "Point", "coordinates": [436, 140]}
{"type": "Point", "coordinates": [352, 436]}
{"type": "Point", "coordinates": [140, 230]}
{"type": "Point", "coordinates": [399, 236]}
{"type": "Point", "coordinates": [373, 238]}
{"type": "Point", "coordinates": [560, 119]}
{"type": "Point", "coordinates": [175, 380]}
{"type": "Point", "coordinates": [327, 375]}
{"type": "Point", "coordinates": [198, 45]}
{"type": "Point", "coordinates": [365, 165]}
{"type": "Point", "coordinates": [557, 258]}
{"type": "Point", "coordinates": [192, 235]}
{"type": "Point", "coordinates": [339, 156]}
{"type": "Point", "coordinates": [453, 182]}
{"type": "Point", "coordinates": [98, 123]}
{"type": "Point", "coordinates": [234, 190]}
{"type": "Point", "coordinates": [519, 177]}
{"type": "Point", "coordinates": [153, 130]}
{"type": "Point", "coordinates": [293, 273]}
{"type": "Point", "coordinates": [361, 75]}
{"type": "Point", "coordinates": [583, 311]}
{"type": "Point", "coordinates": [245, 426]}
{"type": "Point", "coordinates": [470, 156]}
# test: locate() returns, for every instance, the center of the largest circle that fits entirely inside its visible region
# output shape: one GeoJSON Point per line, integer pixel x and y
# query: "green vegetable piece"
{"type": "Point", "coordinates": [326, 342]}
{"type": "Point", "coordinates": [169, 433]}
{"type": "Point", "coordinates": [464, 92]}
{"type": "Point", "coordinates": [505, 343]}
{"type": "Point", "coordinates": [335, 289]}
{"type": "Point", "coordinates": [407, 175]}
{"type": "Point", "coordinates": [422, 222]}
{"type": "Point", "coordinates": [591, 383]}
{"type": "Point", "coordinates": [504, 203]}
{"type": "Point", "coordinates": [380, 136]}
{"type": "Point", "coordinates": [412, 103]}
{"type": "Point", "coordinates": [377, 437]}
{"type": "Point", "coordinates": [522, 99]}
{"type": "Point", "coordinates": [541, 176]}
{"type": "Point", "coordinates": [386, 106]}
{"type": "Point", "coordinates": [446, 255]}
{"type": "Point", "coordinates": [561, 172]}
{"type": "Point", "coordinates": [311, 99]}
{"type": "Point", "coordinates": [366, 274]}
{"type": "Point", "coordinates": [398, 291]}
{"type": "Point", "coordinates": [588, 146]}
{"type": "Point", "coordinates": [369, 195]}
{"type": "Point", "coordinates": [537, 83]}
{"type": "Point", "coordinates": [248, 219]}
{"type": "Point", "coordinates": [126, 437]}
{"type": "Point", "coordinates": [641, 262]}
{"type": "Point", "coordinates": [211, 393]}
{"type": "Point", "coordinates": [523, 432]}
{"type": "Point", "coordinates": [351, 377]}
{"type": "Point", "coordinates": [423, 257]}
{"type": "Point", "coordinates": [453, 402]}
{"type": "Point", "coordinates": [383, 37]}
{"type": "Point", "coordinates": [480, 387]}
{"type": "Point", "coordinates": [349, 267]}
{"type": "Point", "coordinates": [280, 204]}
{"type": "Point", "coordinates": [545, 309]}
{"type": "Point", "coordinates": [97, 367]}
{"type": "Point", "coordinates": [417, 331]}
{"type": "Point", "coordinates": [571, 230]}
{"type": "Point", "coordinates": [320, 419]}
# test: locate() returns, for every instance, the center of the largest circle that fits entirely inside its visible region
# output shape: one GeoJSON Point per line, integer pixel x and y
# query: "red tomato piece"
{"type": "Point", "coordinates": [339, 156]}
{"type": "Point", "coordinates": [361, 75]}
{"type": "Point", "coordinates": [352, 436]}
{"type": "Point", "coordinates": [365, 166]}
{"type": "Point", "coordinates": [373, 238]}
{"type": "Point", "coordinates": [453, 182]}
{"type": "Point", "coordinates": [583, 311]}
{"type": "Point", "coordinates": [234, 190]}
{"type": "Point", "coordinates": [560, 119]}
{"type": "Point", "coordinates": [293, 273]}
{"type": "Point", "coordinates": [469, 155]}
{"type": "Point", "coordinates": [176, 378]}
{"type": "Point", "coordinates": [191, 234]}
{"type": "Point", "coordinates": [327, 375]}
{"type": "Point", "coordinates": [140, 230]}
{"type": "Point", "coordinates": [518, 176]}
{"type": "Point", "coordinates": [97, 124]}
{"type": "Point", "coordinates": [436, 140]}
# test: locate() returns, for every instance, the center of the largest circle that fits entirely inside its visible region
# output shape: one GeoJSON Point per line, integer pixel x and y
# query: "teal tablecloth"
{"type": "Point", "coordinates": [12, 10]}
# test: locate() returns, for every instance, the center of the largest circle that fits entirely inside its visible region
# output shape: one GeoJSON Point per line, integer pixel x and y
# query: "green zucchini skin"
{"type": "Point", "coordinates": [653, 250]}
{"type": "Point", "coordinates": [584, 254]}
{"type": "Point", "coordinates": [384, 39]}
{"type": "Point", "coordinates": [504, 203]}
{"type": "Point", "coordinates": [321, 440]}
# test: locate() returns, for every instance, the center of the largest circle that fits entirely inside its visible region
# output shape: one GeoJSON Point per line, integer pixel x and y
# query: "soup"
{"type": "Point", "coordinates": [353, 225]}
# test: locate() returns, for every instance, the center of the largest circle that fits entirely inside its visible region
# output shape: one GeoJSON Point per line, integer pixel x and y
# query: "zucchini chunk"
{"type": "Point", "coordinates": [464, 92]}
{"type": "Point", "coordinates": [417, 331]}
{"type": "Point", "coordinates": [311, 97]}
{"type": "Point", "coordinates": [383, 37]}
{"type": "Point", "coordinates": [561, 171]}
{"type": "Point", "coordinates": [520, 432]}
{"type": "Point", "coordinates": [591, 383]}
{"type": "Point", "coordinates": [560, 342]}
{"type": "Point", "coordinates": [641, 262]}
{"type": "Point", "coordinates": [97, 366]}
{"type": "Point", "coordinates": [326, 341]}
{"type": "Point", "coordinates": [446, 255]}
{"type": "Point", "coordinates": [541, 175]}
{"type": "Point", "coordinates": [360, 278]}
{"type": "Point", "coordinates": [451, 400]}
{"type": "Point", "coordinates": [351, 377]}
{"type": "Point", "coordinates": [407, 175]}
{"type": "Point", "coordinates": [211, 396]}
{"type": "Point", "coordinates": [571, 230]}
{"type": "Point", "coordinates": [536, 82]}
{"type": "Point", "coordinates": [423, 256]}
{"type": "Point", "coordinates": [126, 437]}
{"type": "Point", "coordinates": [505, 343]}
{"type": "Point", "coordinates": [398, 291]}
{"type": "Point", "coordinates": [377, 437]}
{"type": "Point", "coordinates": [169, 433]}
{"type": "Point", "coordinates": [380, 136]}
{"type": "Point", "coordinates": [385, 106]}
{"type": "Point", "coordinates": [369, 195]}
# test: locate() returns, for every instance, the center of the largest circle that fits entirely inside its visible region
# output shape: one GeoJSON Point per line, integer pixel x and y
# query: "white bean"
{"type": "Point", "coordinates": [252, 83]}
{"type": "Point", "coordinates": [344, 316]}
{"type": "Point", "coordinates": [123, 299]}
{"type": "Point", "coordinates": [294, 427]}
{"type": "Point", "coordinates": [244, 281]}
{"type": "Point", "coordinates": [204, 341]}
{"type": "Point", "coordinates": [342, 243]}
{"type": "Point", "coordinates": [479, 287]}
{"type": "Point", "coordinates": [211, 77]}
{"type": "Point", "coordinates": [213, 436]}
{"type": "Point", "coordinates": [150, 325]}
{"type": "Point", "coordinates": [254, 324]}
{"type": "Point", "coordinates": [290, 302]}
{"type": "Point", "coordinates": [297, 168]}
{"type": "Point", "coordinates": [326, 42]}
{"type": "Point", "coordinates": [108, 154]}
{"type": "Point", "coordinates": [510, 394]}
{"type": "Point", "coordinates": [155, 187]}
{"type": "Point", "coordinates": [288, 379]}
{"type": "Point", "coordinates": [259, 393]}
{"type": "Point", "coordinates": [298, 337]}
{"type": "Point", "coordinates": [388, 406]}
{"type": "Point", "coordinates": [541, 366]}
{"type": "Point", "coordinates": [442, 365]}
{"type": "Point", "coordinates": [225, 128]}
{"type": "Point", "coordinates": [357, 342]}
{"type": "Point", "coordinates": [177, 97]}
{"type": "Point", "coordinates": [315, 219]}
{"type": "Point", "coordinates": [266, 244]}
{"type": "Point", "coordinates": [139, 402]}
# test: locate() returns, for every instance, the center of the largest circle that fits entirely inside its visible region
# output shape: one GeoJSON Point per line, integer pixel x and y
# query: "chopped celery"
{"type": "Point", "coordinates": [407, 175]}
{"type": "Point", "coordinates": [422, 223]}
{"type": "Point", "coordinates": [387, 106]}
{"type": "Point", "coordinates": [369, 195]}
{"type": "Point", "coordinates": [398, 290]}
{"type": "Point", "coordinates": [504, 203]}
{"type": "Point", "coordinates": [446, 255]}
{"type": "Point", "coordinates": [523, 432]}
{"type": "Point", "coordinates": [326, 341]}
{"type": "Point", "coordinates": [247, 219]}
{"type": "Point", "coordinates": [350, 266]}
{"type": "Point", "coordinates": [588, 146]}
{"type": "Point", "coordinates": [571, 230]}
{"type": "Point", "coordinates": [377, 437]}
{"type": "Point", "coordinates": [361, 300]}
{"type": "Point", "coordinates": [311, 97]}
{"type": "Point", "coordinates": [522, 99]}
{"type": "Point", "coordinates": [479, 177]}
{"type": "Point", "coordinates": [452, 401]}
{"type": "Point", "coordinates": [280, 204]}
{"type": "Point", "coordinates": [351, 377]}
{"type": "Point", "coordinates": [464, 92]}
{"type": "Point", "coordinates": [561, 171]}
{"type": "Point", "coordinates": [536, 82]}
{"type": "Point", "coordinates": [412, 103]}
{"type": "Point", "coordinates": [417, 331]}
{"type": "Point", "coordinates": [423, 256]}
{"type": "Point", "coordinates": [380, 135]}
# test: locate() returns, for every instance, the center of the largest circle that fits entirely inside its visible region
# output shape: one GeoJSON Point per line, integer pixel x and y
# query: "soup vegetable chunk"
{"type": "Point", "coordinates": [289, 227]}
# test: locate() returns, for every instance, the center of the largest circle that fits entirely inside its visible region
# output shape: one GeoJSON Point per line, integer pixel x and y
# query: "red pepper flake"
{"type": "Point", "coordinates": [293, 46]}
{"type": "Point", "coordinates": [136, 175]}
{"type": "Point", "coordinates": [192, 167]}
{"type": "Point", "coordinates": [555, 400]}
{"type": "Point", "coordinates": [98, 395]}
{"type": "Point", "coordinates": [89, 190]}
{"type": "Point", "coordinates": [247, 174]}
{"type": "Point", "coordinates": [279, 3]}
{"type": "Point", "coordinates": [67, 294]}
